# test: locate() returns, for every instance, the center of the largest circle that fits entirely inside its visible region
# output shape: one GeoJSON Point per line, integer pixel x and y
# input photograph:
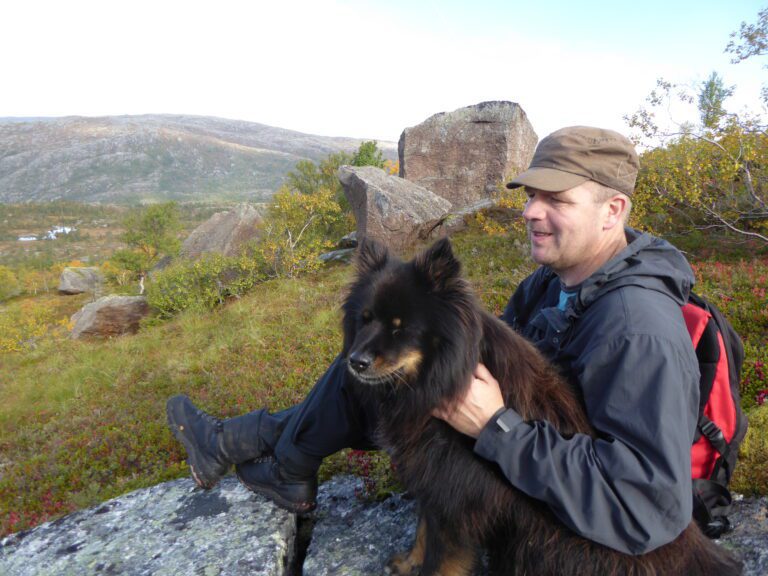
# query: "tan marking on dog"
{"type": "Point", "coordinates": [396, 322]}
{"type": "Point", "coordinates": [410, 362]}
{"type": "Point", "coordinates": [460, 563]}
{"type": "Point", "coordinates": [409, 563]}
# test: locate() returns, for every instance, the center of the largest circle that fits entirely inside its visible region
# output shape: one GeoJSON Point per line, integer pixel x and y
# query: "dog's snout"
{"type": "Point", "coordinates": [360, 361]}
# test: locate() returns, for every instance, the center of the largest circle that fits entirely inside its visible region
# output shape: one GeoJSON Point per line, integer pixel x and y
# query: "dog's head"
{"type": "Point", "coordinates": [401, 319]}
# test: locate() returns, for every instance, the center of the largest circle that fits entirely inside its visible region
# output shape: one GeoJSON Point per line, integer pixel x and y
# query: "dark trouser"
{"type": "Point", "coordinates": [332, 417]}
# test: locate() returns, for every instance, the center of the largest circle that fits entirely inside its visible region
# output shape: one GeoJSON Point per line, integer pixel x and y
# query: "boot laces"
{"type": "Point", "coordinates": [212, 420]}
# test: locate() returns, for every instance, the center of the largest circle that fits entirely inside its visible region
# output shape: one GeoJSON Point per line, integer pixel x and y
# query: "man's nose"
{"type": "Point", "coordinates": [533, 210]}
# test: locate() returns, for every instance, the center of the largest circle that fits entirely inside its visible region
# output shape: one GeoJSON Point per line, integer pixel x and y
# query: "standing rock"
{"type": "Point", "coordinates": [465, 154]}
{"type": "Point", "coordinates": [223, 233]}
{"type": "Point", "coordinates": [80, 280]}
{"type": "Point", "coordinates": [391, 209]}
{"type": "Point", "coordinates": [110, 316]}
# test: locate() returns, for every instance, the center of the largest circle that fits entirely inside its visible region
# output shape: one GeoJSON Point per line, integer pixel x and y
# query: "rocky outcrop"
{"type": "Point", "coordinates": [171, 529]}
{"type": "Point", "coordinates": [109, 316]}
{"type": "Point", "coordinates": [464, 155]}
{"type": "Point", "coordinates": [177, 529]}
{"type": "Point", "coordinates": [80, 280]}
{"type": "Point", "coordinates": [223, 233]}
{"type": "Point", "coordinates": [391, 209]}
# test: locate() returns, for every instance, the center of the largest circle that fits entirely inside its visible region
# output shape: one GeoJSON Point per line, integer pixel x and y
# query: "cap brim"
{"type": "Point", "coordinates": [547, 179]}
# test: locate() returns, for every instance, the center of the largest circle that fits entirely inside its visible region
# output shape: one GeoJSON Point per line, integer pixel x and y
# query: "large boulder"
{"type": "Point", "coordinates": [391, 209]}
{"type": "Point", "coordinates": [109, 316]}
{"type": "Point", "coordinates": [170, 529]}
{"type": "Point", "coordinates": [224, 233]}
{"type": "Point", "coordinates": [464, 155]}
{"type": "Point", "coordinates": [80, 280]}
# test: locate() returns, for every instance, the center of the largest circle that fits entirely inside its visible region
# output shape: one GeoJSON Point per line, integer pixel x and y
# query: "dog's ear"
{"type": "Point", "coordinates": [438, 264]}
{"type": "Point", "coordinates": [371, 256]}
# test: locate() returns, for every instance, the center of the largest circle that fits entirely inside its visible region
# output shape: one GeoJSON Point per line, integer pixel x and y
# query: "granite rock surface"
{"type": "Point", "coordinates": [171, 529]}
{"type": "Point", "coordinates": [176, 529]}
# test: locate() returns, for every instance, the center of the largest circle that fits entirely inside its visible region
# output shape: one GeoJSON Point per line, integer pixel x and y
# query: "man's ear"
{"type": "Point", "coordinates": [371, 256]}
{"type": "Point", "coordinates": [438, 264]}
{"type": "Point", "coordinates": [615, 209]}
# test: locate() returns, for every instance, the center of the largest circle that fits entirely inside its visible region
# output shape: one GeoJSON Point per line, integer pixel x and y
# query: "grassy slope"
{"type": "Point", "coordinates": [82, 422]}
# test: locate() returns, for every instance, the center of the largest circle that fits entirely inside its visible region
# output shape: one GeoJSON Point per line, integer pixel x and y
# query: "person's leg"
{"type": "Point", "coordinates": [213, 445]}
{"type": "Point", "coordinates": [332, 417]}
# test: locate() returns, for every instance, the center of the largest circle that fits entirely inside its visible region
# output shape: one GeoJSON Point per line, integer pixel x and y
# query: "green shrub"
{"type": "Point", "coordinates": [751, 474]}
{"type": "Point", "coordinates": [9, 284]}
{"type": "Point", "coordinates": [202, 284]}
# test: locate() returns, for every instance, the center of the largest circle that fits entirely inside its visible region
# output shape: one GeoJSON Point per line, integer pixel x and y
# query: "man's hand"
{"type": "Point", "coordinates": [482, 400]}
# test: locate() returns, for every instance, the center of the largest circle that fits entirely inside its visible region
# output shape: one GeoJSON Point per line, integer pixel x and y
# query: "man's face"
{"type": "Point", "coordinates": [564, 228]}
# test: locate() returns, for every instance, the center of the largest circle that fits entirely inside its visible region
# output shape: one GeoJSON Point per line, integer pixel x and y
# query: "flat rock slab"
{"type": "Point", "coordinates": [170, 529]}
{"type": "Point", "coordinates": [176, 529]}
{"type": "Point", "coordinates": [749, 537]}
{"type": "Point", "coordinates": [355, 537]}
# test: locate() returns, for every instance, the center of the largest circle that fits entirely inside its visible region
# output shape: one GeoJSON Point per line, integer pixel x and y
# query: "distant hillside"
{"type": "Point", "coordinates": [131, 159]}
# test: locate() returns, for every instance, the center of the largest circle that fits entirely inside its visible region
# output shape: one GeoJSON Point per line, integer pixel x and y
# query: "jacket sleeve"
{"type": "Point", "coordinates": [629, 488]}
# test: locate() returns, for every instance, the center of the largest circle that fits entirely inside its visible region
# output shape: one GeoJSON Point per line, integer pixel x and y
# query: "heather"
{"type": "Point", "coordinates": [81, 422]}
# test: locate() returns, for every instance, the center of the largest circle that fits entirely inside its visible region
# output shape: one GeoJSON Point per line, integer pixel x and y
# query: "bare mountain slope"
{"type": "Point", "coordinates": [129, 159]}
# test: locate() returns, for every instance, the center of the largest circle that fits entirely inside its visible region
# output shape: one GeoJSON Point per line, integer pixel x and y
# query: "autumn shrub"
{"type": "Point", "coordinates": [298, 228]}
{"type": "Point", "coordinates": [38, 281]}
{"type": "Point", "coordinates": [117, 274]}
{"type": "Point", "coordinates": [25, 322]}
{"type": "Point", "coordinates": [9, 284]}
{"type": "Point", "coordinates": [373, 467]}
{"type": "Point", "coordinates": [202, 284]}
{"type": "Point", "coordinates": [740, 290]}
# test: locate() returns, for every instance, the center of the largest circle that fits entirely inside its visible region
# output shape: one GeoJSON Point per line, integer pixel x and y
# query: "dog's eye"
{"type": "Point", "coordinates": [396, 332]}
{"type": "Point", "coordinates": [366, 316]}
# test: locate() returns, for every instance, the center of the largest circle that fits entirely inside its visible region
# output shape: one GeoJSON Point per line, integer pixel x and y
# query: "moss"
{"type": "Point", "coordinates": [751, 474]}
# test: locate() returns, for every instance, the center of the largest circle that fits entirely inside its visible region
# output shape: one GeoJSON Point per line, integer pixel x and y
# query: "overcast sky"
{"type": "Point", "coordinates": [363, 68]}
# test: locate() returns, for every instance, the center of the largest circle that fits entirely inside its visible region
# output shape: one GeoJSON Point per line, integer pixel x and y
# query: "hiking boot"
{"type": "Point", "coordinates": [213, 445]}
{"type": "Point", "coordinates": [266, 477]}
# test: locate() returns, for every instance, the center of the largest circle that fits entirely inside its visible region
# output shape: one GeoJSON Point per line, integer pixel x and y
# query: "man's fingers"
{"type": "Point", "coordinates": [482, 373]}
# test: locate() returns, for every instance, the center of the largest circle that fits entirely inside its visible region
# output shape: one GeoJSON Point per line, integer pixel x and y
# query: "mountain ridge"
{"type": "Point", "coordinates": [153, 157]}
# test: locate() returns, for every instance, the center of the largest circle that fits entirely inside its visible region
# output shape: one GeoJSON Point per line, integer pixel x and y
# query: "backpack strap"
{"type": "Point", "coordinates": [721, 472]}
{"type": "Point", "coordinates": [711, 505]}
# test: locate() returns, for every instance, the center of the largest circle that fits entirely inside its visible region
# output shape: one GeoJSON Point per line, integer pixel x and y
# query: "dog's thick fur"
{"type": "Point", "coordinates": [414, 333]}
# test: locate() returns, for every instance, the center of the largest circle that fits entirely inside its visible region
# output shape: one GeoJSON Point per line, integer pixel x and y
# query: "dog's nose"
{"type": "Point", "coordinates": [360, 361]}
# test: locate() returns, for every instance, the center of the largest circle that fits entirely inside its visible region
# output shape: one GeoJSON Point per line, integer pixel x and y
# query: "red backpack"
{"type": "Point", "coordinates": [722, 424]}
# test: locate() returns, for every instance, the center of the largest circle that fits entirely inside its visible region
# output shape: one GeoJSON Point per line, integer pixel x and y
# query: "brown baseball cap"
{"type": "Point", "coordinates": [573, 155]}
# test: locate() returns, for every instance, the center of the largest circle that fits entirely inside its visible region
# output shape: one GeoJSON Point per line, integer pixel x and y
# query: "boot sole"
{"type": "Point", "coordinates": [277, 498]}
{"type": "Point", "coordinates": [199, 474]}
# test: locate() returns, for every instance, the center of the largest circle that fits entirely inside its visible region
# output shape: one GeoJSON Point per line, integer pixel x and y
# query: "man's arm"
{"type": "Point", "coordinates": [630, 488]}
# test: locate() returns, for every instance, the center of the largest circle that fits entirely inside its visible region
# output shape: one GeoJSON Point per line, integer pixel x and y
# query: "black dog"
{"type": "Point", "coordinates": [413, 334]}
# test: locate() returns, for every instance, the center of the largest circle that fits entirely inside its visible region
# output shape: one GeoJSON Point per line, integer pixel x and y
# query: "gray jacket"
{"type": "Point", "coordinates": [623, 344]}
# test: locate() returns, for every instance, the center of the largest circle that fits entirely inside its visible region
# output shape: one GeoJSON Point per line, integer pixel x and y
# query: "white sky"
{"type": "Point", "coordinates": [363, 68]}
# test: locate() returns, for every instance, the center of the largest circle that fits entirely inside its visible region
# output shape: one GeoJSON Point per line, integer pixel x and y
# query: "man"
{"type": "Point", "coordinates": [604, 306]}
